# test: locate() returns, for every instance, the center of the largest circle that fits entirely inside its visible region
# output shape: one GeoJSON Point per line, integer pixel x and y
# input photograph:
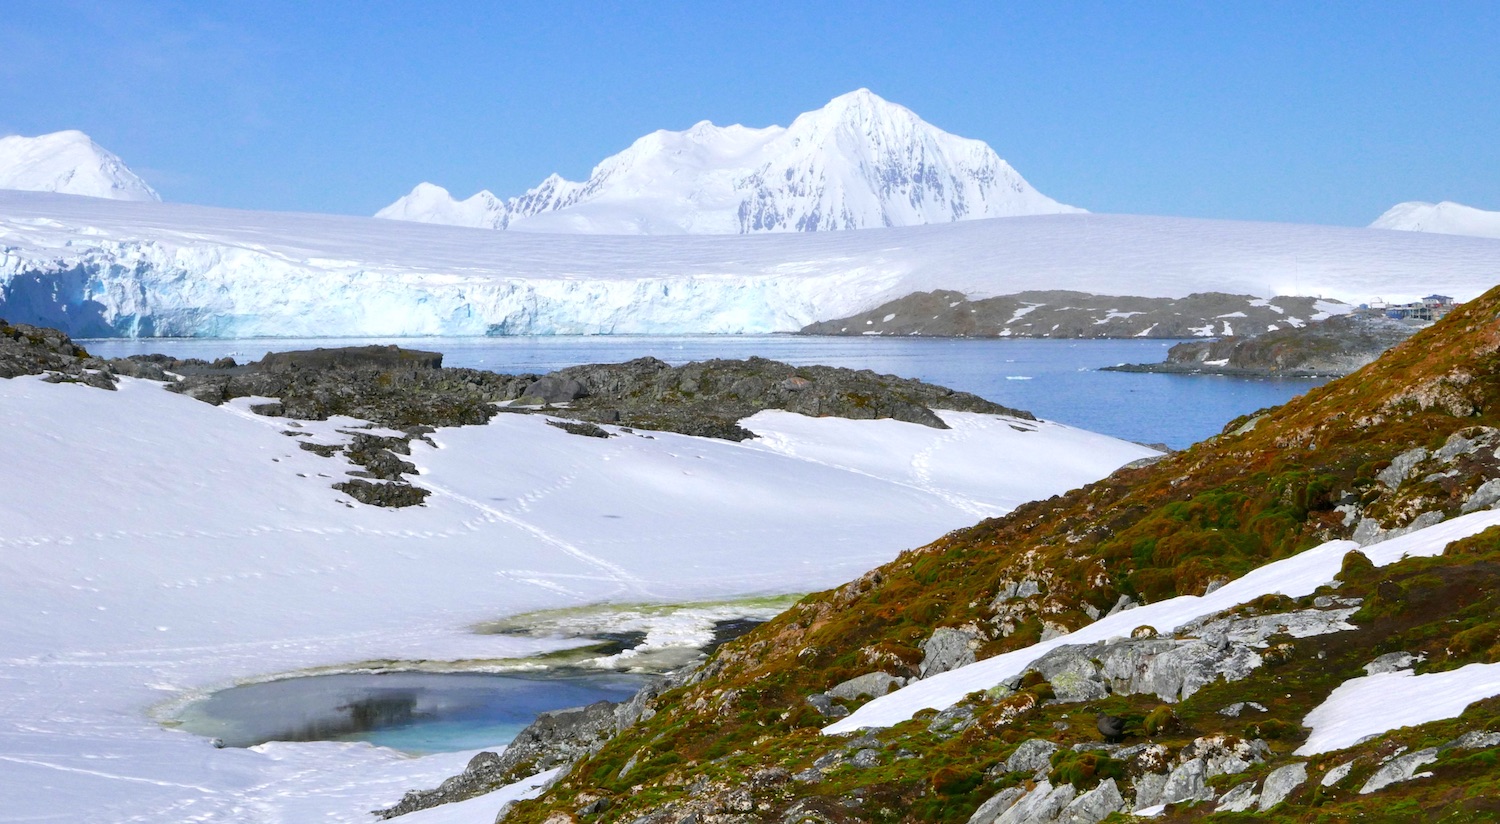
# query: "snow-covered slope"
{"type": "Point", "coordinates": [857, 163]}
{"type": "Point", "coordinates": [70, 163]}
{"type": "Point", "coordinates": [1446, 218]}
{"type": "Point", "coordinates": [155, 547]}
{"type": "Point", "coordinates": [1296, 576]}
{"type": "Point", "coordinates": [98, 267]}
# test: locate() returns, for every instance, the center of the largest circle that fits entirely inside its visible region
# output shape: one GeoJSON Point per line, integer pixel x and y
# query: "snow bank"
{"type": "Point", "coordinates": [101, 268]}
{"type": "Point", "coordinates": [1296, 576]}
{"type": "Point", "coordinates": [155, 547]}
{"type": "Point", "coordinates": [1363, 707]}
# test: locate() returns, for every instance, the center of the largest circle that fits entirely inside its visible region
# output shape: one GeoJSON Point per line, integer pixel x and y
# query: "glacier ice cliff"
{"type": "Point", "coordinates": [101, 267]}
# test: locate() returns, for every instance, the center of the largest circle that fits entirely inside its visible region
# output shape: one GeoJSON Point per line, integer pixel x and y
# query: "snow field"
{"type": "Point", "coordinates": [1428, 697]}
{"type": "Point", "coordinates": [154, 548]}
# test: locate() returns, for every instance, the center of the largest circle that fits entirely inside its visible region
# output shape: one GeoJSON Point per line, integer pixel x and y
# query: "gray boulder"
{"type": "Point", "coordinates": [1238, 800]}
{"type": "Point", "coordinates": [1401, 467]}
{"type": "Point", "coordinates": [1031, 756]}
{"type": "Point", "coordinates": [1094, 805]}
{"type": "Point", "coordinates": [1280, 784]}
{"type": "Point", "coordinates": [554, 389]}
{"type": "Point", "coordinates": [1398, 769]}
{"type": "Point", "coordinates": [1337, 774]}
{"type": "Point", "coordinates": [996, 805]}
{"type": "Point", "coordinates": [1187, 783]}
{"type": "Point", "coordinates": [1484, 497]}
{"type": "Point", "coordinates": [1042, 805]}
{"type": "Point", "coordinates": [869, 685]}
{"type": "Point", "coordinates": [947, 649]}
{"type": "Point", "coordinates": [1149, 788]}
{"type": "Point", "coordinates": [1391, 662]}
{"type": "Point", "coordinates": [1474, 740]}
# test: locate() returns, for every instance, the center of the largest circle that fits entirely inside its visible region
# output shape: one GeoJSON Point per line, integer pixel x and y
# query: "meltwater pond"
{"type": "Point", "coordinates": [1053, 379]}
{"type": "Point", "coordinates": [417, 712]}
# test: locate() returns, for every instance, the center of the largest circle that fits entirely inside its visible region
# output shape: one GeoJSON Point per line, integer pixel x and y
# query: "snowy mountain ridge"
{"type": "Point", "coordinates": [71, 163]}
{"type": "Point", "coordinates": [858, 162]}
{"type": "Point", "coordinates": [1446, 218]}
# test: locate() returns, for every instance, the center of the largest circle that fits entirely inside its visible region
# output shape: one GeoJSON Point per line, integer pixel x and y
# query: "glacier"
{"type": "Point", "coordinates": [68, 162]}
{"type": "Point", "coordinates": [1446, 218]}
{"type": "Point", "coordinates": [859, 162]}
{"type": "Point", "coordinates": [98, 267]}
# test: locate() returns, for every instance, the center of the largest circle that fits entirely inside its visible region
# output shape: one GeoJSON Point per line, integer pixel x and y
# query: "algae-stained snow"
{"type": "Point", "coordinates": [96, 267]}
{"type": "Point", "coordinates": [1351, 712]}
{"type": "Point", "coordinates": [153, 547]}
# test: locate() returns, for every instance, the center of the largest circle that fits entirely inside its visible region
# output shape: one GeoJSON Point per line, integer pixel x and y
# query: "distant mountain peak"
{"type": "Point", "coordinates": [858, 162]}
{"type": "Point", "coordinates": [1446, 218]}
{"type": "Point", "coordinates": [68, 162]}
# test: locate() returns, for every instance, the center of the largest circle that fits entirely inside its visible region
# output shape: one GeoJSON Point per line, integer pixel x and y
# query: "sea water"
{"type": "Point", "coordinates": [417, 712]}
{"type": "Point", "coordinates": [1057, 380]}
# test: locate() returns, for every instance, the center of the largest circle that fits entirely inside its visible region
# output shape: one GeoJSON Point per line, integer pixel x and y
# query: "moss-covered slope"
{"type": "Point", "coordinates": [1411, 438]}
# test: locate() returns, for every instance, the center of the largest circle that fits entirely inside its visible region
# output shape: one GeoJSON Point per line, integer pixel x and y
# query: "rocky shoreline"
{"type": "Point", "coordinates": [1323, 349]}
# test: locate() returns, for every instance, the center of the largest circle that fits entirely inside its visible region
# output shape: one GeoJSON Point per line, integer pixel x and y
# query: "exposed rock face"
{"type": "Point", "coordinates": [1336, 346]}
{"type": "Point", "coordinates": [1063, 314]}
{"type": "Point", "coordinates": [34, 350]}
{"type": "Point", "coordinates": [869, 685]}
{"type": "Point", "coordinates": [553, 739]}
{"type": "Point", "coordinates": [710, 397]}
{"type": "Point", "coordinates": [1031, 756]}
{"type": "Point", "coordinates": [1280, 784]}
{"type": "Point", "coordinates": [947, 649]}
{"type": "Point", "coordinates": [1400, 768]}
{"type": "Point", "coordinates": [1175, 668]}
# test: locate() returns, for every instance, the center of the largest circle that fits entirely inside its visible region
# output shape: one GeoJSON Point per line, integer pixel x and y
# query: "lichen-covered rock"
{"type": "Point", "coordinates": [1033, 755]}
{"type": "Point", "coordinates": [1280, 784]}
{"type": "Point", "coordinates": [869, 685]}
{"type": "Point", "coordinates": [1401, 467]}
{"type": "Point", "coordinates": [1093, 806]}
{"type": "Point", "coordinates": [947, 649]}
{"type": "Point", "coordinates": [1187, 783]}
{"type": "Point", "coordinates": [1239, 799]}
{"type": "Point", "coordinates": [1337, 774]}
{"type": "Point", "coordinates": [1040, 806]}
{"type": "Point", "coordinates": [996, 805]}
{"type": "Point", "coordinates": [1398, 769]}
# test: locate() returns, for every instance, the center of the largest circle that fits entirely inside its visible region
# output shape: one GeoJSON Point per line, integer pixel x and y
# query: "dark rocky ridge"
{"type": "Point", "coordinates": [1064, 314]}
{"type": "Point", "coordinates": [709, 398]}
{"type": "Point", "coordinates": [412, 392]}
{"type": "Point", "coordinates": [1327, 348]}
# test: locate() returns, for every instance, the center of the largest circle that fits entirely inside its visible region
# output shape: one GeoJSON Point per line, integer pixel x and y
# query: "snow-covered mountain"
{"type": "Point", "coordinates": [68, 163]}
{"type": "Point", "coordinates": [99, 267]}
{"type": "Point", "coordinates": [1446, 218]}
{"type": "Point", "coordinates": [859, 162]}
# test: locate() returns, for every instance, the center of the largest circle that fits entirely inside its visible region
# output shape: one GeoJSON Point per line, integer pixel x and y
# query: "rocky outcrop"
{"type": "Point", "coordinates": [709, 398]}
{"type": "Point", "coordinates": [1335, 346]}
{"type": "Point", "coordinates": [1218, 647]}
{"type": "Point", "coordinates": [554, 739]}
{"type": "Point", "coordinates": [34, 350]}
{"type": "Point", "coordinates": [1064, 314]}
{"type": "Point", "coordinates": [947, 649]}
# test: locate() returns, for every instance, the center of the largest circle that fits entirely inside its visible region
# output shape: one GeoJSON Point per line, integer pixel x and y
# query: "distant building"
{"type": "Point", "coordinates": [1430, 308]}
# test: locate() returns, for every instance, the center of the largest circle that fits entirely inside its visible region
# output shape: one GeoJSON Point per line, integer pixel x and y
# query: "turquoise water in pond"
{"type": "Point", "coordinates": [416, 712]}
{"type": "Point", "coordinates": [1053, 379]}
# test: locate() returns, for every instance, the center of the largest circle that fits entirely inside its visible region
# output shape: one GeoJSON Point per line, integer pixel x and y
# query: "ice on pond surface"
{"type": "Point", "coordinates": [418, 712]}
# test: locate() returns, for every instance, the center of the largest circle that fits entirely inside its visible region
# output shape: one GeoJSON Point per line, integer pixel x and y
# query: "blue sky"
{"type": "Point", "coordinates": [1308, 112]}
